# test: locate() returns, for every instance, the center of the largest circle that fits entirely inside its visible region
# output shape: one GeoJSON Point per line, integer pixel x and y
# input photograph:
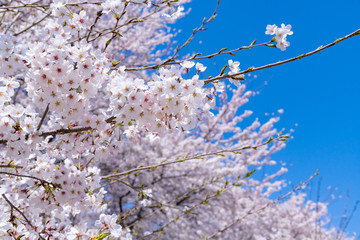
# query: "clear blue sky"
{"type": "Point", "coordinates": [320, 93]}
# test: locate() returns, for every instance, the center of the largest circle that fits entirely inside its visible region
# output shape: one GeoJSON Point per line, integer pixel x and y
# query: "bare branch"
{"type": "Point", "coordinates": [254, 69]}
{"type": "Point", "coordinates": [43, 117]}
{"type": "Point", "coordinates": [32, 25]}
{"type": "Point", "coordinates": [200, 156]}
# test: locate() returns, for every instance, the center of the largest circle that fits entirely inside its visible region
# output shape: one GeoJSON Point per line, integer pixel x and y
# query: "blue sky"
{"type": "Point", "coordinates": [319, 93]}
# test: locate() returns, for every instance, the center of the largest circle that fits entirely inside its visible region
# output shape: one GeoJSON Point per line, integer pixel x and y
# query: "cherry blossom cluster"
{"type": "Point", "coordinates": [10, 56]}
{"type": "Point", "coordinates": [56, 191]}
{"type": "Point", "coordinates": [167, 102]}
{"type": "Point", "coordinates": [280, 34]}
{"type": "Point", "coordinates": [61, 80]}
{"type": "Point", "coordinates": [7, 89]}
{"type": "Point", "coordinates": [65, 77]}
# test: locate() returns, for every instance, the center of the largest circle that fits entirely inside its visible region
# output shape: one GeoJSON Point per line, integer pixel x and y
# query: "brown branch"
{"type": "Point", "coordinates": [170, 60]}
{"type": "Point", "coordinates": [131, 21]}
{"type": "Point", "coordinates": [62, 131]}
{"type": "Point", "coordinates": [10, 166]}
{"type": "Point", "coordinates": [196, 30]}
{"type": "Point", "coordinates": [200, 156]}
{"type": "Point", "coordinates": [32, 25]}
{"type": "Point", "coordinates": [32, 177]}
{"type": "Point", "coordinates": [13, 207]}
{"type": "Point", "coordinates": [155, 200]}
{"type": "Point", "coordinates": [254, 69]}
{"type": "Point", "coordinates": [198, 57]}
{"type": "Point", "coordinates": [177, 200]}
{"type": "Point", "coordinates": [12, 22]}
{"type": "Point", "coordinates": [114, 33]}
{"type": "Point", "coordinates": [43, 117]}
{"type": "Point", "coordinates": [98, 15]}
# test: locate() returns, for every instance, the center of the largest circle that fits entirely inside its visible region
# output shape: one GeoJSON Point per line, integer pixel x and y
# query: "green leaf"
{"type": "Point", "coordinates": [102, 235]}
{"type": "Point", "coordinates": [269, 141]}
{"type": "Point", "coordinates": [271, 45]}
{"type": "Point", "coordinates": [213, 17]}
{"type": "Point", "coordinates": [338, 40]}
{"type": "Point", "coordinates": [108, 42]}
{"type": "Point", "coordinates": [223, 70]}
{"type": "Point", "coordinates": [248, 174]}
{"type": "Point", "coordinates": [114, 63]}
{"type": "Point", "coordinates": [238, 78]}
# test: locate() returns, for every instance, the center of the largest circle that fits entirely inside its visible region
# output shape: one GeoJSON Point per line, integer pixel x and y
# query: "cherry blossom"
{"type": "Point", "coordinates": [106, 132]}
{"type": "Point", "coordinates": [280, 34]}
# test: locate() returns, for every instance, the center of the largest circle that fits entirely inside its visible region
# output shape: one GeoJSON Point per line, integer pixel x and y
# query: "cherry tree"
{"type": "Point", "coordinates": [106, 133]}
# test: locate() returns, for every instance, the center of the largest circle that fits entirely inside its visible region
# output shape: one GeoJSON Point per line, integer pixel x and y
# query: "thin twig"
{"type": "Point", "coordinates": [179, 48]}
{"type": "Point", "coordinates": [13, 207]}
{"type": "Point", "coordinates": [198, 57]}
{"type": "Point", "coordinates": [32, 25]}
{"type": "Point", "coordinates": [63, 131]}
{"type": "Point", "coordinates": [32, 177]}
{"type": "Point", "coordinates": [155, 200]}
{"type": "Point", "coordinates": [43, 117]}
{"type": "Point", "coordinates": [200, 156]}
{"type": "Point", "coordinates": [10, 166]}
{"type": "Point", "coordinates": [254, 69]}
{"type": "Point", "coordinates": [12, 22]}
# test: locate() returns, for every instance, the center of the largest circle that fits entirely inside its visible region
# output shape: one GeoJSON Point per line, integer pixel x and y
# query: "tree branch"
{"type": "Point", "coordinates": [200, 156]}
{"type": "Point", "coordinates": [13, 207]}
{"type": "Point", "coordinates": [43, 117]}
{"type": "Point", "coordinates": [254, 69]}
